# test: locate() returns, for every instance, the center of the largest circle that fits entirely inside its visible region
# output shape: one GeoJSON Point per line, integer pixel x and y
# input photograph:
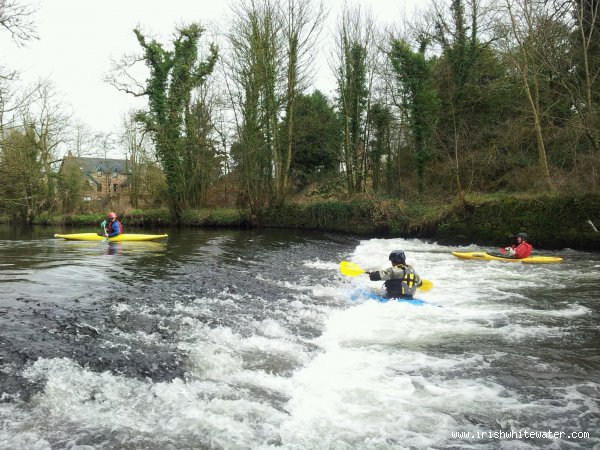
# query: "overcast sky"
{"type": "Point", "coordinates": [79, 38]}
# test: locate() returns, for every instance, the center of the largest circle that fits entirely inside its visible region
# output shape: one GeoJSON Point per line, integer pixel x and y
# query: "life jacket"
{"type": "Point", "coordinates": [109, 227]}
{"type": "Point", "coordinates": [523, 250]}
{"type": "Point", "coordinates": [404, 287]}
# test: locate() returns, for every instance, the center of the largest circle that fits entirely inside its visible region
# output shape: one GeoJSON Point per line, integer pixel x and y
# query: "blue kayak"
{"type": "Point", "coordinates": [371, 295]}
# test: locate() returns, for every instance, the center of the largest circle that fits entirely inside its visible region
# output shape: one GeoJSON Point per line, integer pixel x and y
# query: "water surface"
{"type": "Point", "coordinates": [253, 339]}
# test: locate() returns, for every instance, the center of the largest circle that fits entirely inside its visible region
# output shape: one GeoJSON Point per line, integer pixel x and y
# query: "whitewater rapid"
{"type": "Point", "coordinates": [279, 354]}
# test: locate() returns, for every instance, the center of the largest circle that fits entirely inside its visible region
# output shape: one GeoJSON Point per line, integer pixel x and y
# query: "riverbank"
{"type": "Point", "coordinates": [552, 221]}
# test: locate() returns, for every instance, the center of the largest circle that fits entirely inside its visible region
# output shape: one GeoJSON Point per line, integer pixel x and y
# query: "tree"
{"type": "Point", "coordinates": [381, 120]}
{"type": "Point", "coordinates": [477, 98]}
{"type": "Point", "coordinates": [524, 17]}
{"type": "Point", "coordinates": [272, 44]}
{"type": "Point", "coordinates": [70, 186]}
{"type": "Point", "coordinates": [354, 72]}
{"type": "Point", "coordinates": [254, 67]}
{"type": "Point", "coordinates": [46, 123]}
{"type": "Point", "coordinates": [22, 188]}
{"type": "Point", "coordinates": [203, 146]}
{"type": "Point", "coordinates": [133, 139]}
{"type": "Point", "coordinates": [17, 19]}
{"type": "Point", "coordinates": [303, 20]}
{"type": "Point", "coordinates": [174, 74]}
{"type": "Point", "coordinates": [316, 137]}
{"type": "Point", "coordinates": [586, 46]}
{"type": "Point", "coordinates": [414, 74]}
{"type": "Point", "coordinates": [352, 99]}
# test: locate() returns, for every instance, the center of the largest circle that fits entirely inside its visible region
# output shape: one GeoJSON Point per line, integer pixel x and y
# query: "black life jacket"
{"type": "Point", "coordinates": [404, 287]}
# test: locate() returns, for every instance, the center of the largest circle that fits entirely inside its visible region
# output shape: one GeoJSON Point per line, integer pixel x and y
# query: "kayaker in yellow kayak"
{"type": "Point", "coordinates": [522, 249]}
{"type": "Point", "coordinates": [111, 228]}
{"type": "Point", "coordinates": [401, 280]}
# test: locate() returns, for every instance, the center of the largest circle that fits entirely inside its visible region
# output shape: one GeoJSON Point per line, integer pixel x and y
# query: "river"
{"type": "Point", "coordinates": [253, 339]}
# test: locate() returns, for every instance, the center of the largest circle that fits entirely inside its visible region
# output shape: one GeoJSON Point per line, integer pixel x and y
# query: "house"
{"type": "Point", "coordinates": [105, 181]}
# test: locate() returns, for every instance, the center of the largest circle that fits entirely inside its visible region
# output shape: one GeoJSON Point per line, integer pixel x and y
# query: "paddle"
{"type": "Point", "coordinates": [351, 269]}
{"type": "Point", "coordinates": [103, 226]}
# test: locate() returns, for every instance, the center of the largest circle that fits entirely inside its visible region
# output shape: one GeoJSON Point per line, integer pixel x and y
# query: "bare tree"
{"type": "Point", "coordinates": [17, 19]}
{"type": "Point", "coordinates": [133, 139]}
{"type": "Point", "coordinates": [13, 101]}
{"type": "Point", "coordinates": [353, 63]}
{"type": "Point", "coordinates": [302, 24]}
{"type": "Point", "coordinates": [524, 18]}
{"type": "Point", "coordinates": [585, 95]}
{"type": "Point", "coordinates": [254, 74]}
{"type": "Point", "coordinates": [46, 123]}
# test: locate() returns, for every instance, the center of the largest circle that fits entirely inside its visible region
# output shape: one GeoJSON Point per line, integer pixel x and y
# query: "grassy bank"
{"type": "Point", "coordinates": [552, 221]}
{"type": "Point", "coordinates": [221, 217]}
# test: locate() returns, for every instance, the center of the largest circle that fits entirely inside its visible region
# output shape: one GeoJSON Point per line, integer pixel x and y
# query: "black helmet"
{"type": "Point", "coordinates": [397, 257]}
{"type": "Point", "coordinates": [522, 235]}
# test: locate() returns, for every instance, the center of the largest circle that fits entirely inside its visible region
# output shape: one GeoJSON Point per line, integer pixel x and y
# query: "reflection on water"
{"type": "Point", "coordinates": [251, 339]}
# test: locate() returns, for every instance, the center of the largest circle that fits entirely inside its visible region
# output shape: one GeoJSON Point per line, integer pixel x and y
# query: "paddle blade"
{"type": "Point", "coordinates": [350, 269]}
{"type": "Point", "coordinates": [425, 286]}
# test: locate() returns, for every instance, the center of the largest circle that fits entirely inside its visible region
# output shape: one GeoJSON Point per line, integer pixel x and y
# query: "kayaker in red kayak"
{"type": "Point", "coordinates": [522, 249]}
{"type": "Point", "coordinates": [111, 228]}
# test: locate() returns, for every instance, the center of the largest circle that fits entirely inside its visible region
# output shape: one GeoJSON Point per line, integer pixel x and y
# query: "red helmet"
{"type": "Point", "coordinates": [112, 215]}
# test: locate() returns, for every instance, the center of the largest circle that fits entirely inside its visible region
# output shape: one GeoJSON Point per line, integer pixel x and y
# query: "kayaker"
{"type": "Point", "coordinates": [522, 249]}
{"type": "Point", "coordinates": [111, 228]}
{"type": "Point", "coordinates": [401, 280]}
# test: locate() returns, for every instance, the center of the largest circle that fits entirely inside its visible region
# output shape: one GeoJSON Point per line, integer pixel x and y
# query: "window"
{"type": "Point", "coordinates": [115, 174]}
{"type": "Point", "coordinates": [87, 198]}
{"type": "Point", "coordinates": [115, 186]}
{"type": "Point", "coordinates": [99, 187]}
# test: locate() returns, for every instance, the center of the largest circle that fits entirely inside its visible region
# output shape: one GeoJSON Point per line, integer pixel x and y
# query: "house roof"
{"type": "Point", "coordinates": [106, 165]}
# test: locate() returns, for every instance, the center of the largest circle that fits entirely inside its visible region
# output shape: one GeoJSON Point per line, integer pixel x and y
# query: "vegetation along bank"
{"type": "Point", "coordinates": [552, 222]}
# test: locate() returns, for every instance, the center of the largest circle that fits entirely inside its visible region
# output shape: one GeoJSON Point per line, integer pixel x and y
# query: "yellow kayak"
{"type": "Point", "coordinates": [119, 238]}
{"type": "Point", "coordinates": [487, 257]}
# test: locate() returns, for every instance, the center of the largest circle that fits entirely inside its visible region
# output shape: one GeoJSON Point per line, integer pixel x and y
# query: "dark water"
{"type": "Point", "coordinates": [251, 339]}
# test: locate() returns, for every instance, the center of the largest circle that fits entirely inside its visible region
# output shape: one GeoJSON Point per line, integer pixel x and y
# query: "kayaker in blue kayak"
{"type": "Point", "coordinates": [401, 280]}
{"type": "Point", "coordinates": [111, 228]}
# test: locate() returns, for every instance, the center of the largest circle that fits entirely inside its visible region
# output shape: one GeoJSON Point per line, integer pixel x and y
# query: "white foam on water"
{"type": "Point", "coordinates": [87, 401]}
{"type": "Point", "coordinates": [374, 383]}
{"type": "Point", "coordinates": [364, 392]}
{"type": "Point", "coordinates": [318, 264]}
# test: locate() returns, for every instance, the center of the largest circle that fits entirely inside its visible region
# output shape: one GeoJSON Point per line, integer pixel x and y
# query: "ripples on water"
{"type": "Point", "coordinates": [233, 339]}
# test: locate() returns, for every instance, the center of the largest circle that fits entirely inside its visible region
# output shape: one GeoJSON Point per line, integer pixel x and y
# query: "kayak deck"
{"type": "Point", "coordinates": [119, 238]}
{"type": "Point", "coordinates": [483, 256]}
{"type": "Point", "coordinates": [372, 296]}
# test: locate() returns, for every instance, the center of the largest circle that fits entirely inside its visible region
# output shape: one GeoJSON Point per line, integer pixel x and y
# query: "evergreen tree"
{"type": "Point", "coordinates": [414, 74]}
{"type": "Point", "coordinates": [315, 139]}
{"type": "Point", "coordinates": [174, 74]}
